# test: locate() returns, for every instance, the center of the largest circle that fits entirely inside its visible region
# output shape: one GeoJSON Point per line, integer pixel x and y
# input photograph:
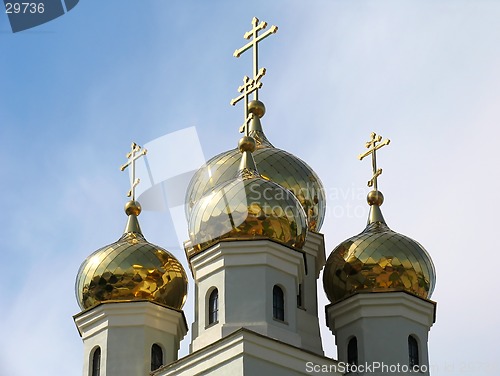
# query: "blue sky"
{"type": "Point", "coordinates": [76, 91]}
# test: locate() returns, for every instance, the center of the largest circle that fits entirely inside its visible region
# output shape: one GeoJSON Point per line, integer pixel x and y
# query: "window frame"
{"type": "Point", "coordinates": [413, 351]}
{"type": "Point", "coordinates": [279, 303]}
{"type": "Point", "coordinates": [155, 350]}
{"type": "Point", "coordinates": [95, 366]}
{"type": "Point", "coordinates": [352, 351]}
{"type": "Point", "coordinates": [213, 310]}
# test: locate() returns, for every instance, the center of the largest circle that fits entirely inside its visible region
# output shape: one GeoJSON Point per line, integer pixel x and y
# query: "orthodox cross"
{"type": "Point", "coordinates": [254, 43]}
{"type": "Point", "coordinates": [135, 153]}
{"type": "Point", "coordinates": [249, 86]}
{"type": "Point", "coordinates": [372, 146]}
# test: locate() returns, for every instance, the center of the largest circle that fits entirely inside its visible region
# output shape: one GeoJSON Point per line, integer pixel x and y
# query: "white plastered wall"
{"type": "Point", "coordinates": [125, 332]}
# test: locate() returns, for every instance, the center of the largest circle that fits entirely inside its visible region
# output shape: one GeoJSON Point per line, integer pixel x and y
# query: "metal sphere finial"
{"type": "Point", "coordinates": [257, 108]}
{"type": "Point", "coordinates": [133, 208]}
{"type": "Point", "coordinates": [246, 143]}
{"type": "Point", "coordinates": [375, 198]}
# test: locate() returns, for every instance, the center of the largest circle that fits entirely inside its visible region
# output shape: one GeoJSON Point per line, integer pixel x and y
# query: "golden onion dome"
{"type": "Point", "coordinates": [378, 259]}
{"type": "Point", "coordinates": [274, 164]}
{"type": "Point", "coordinates": [246, 207]}
{"type": "Point", "coordinates": [131, 269]}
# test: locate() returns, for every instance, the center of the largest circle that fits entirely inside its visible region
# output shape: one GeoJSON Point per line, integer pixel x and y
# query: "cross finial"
{"type": "Point", "coordinates": [254, 43]}
{"type": "Point", "coordinates": [372, 146]}
{"type": "Point", "coordinates": [249, 86]}
{"type": "Point", "coordinates": [135, 153]}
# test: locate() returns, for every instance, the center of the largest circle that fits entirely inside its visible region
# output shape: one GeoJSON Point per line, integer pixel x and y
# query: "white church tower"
{"type": "Point", "coordinates": [131, 293]}
{"type": "Point", "coordinates": [379, 283]}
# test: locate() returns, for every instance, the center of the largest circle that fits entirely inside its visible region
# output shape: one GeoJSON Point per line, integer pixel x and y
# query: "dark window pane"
{"type": "Point", "coordinates": [96, 362]}
{"type": "Point", "coordinates": [213, 307]}
{"type": "Point", "coordinates": [413, 351]}
{"type": "Point", "coordinates": [278, 303]}
{"type": "Point", "coordinates": [352, 351]}
{"type": "Point", "coordinates": [156, 357]}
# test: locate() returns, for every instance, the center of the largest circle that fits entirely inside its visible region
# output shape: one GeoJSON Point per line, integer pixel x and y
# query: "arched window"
{"type": "Point", "coordinates": [96, 362]}
{"type": "Point", "coordinates": [413, 351]}
{"type": "Point", "coordinates": [156, 357]}
{"type": "Point", "coordinates": [352, 351]}
{"type": "Point", "coordinates": [213, 307]}
{"type": "Point", "coordinates": [278, 303]}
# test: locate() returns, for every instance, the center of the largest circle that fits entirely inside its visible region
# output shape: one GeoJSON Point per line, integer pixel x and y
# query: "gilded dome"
{"type": "Point", "coordinates": [247, 207]}
{"type": "Point", "coordinates": [274, 164]}
{"type": "Point", "coordinates": [378, 259]}
{"type": "Point", "coordinates": [131, 269]}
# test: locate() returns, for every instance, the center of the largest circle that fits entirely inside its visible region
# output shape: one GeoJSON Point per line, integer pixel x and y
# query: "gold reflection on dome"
{"type": "Point", "coordinates": [274, 164]}
{"type": "Point", "coordinates": [131, 269]}
{"type": "Point", "coordinates": [247, 208]}
{"type": "Point", "coordinates": [378, 259]}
